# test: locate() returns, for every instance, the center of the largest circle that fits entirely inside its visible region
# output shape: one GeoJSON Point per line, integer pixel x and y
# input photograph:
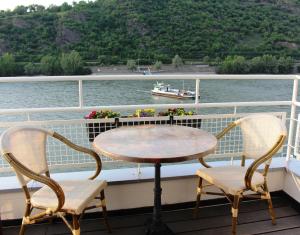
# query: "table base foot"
{"type": "Point", "coordinates": [158, 229]}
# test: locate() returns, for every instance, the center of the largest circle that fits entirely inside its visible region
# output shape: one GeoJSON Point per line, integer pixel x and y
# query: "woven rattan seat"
{"type": "Point", "coordinates": [263, 136]}
{"type": "Point", "coordinates": [25, 150]}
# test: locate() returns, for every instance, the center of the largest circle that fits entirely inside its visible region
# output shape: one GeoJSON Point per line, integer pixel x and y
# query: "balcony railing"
{"type": "Point", "coordinates": [63, 159]}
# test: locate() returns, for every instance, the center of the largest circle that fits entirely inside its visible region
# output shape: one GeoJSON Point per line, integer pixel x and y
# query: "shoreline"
{"type": "Point", "coordinates": [166, 69]}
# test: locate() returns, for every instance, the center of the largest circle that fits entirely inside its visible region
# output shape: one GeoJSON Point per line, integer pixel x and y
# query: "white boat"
{"type": "Point", "coordinates": [161, 89]}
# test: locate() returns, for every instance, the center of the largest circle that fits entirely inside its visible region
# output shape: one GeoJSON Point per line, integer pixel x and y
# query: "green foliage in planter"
{"type": "Point", "coordinates": [139, 113]}
{"type": "Point", "coordinates": [102, 114]}
{"type": "Point", "coordinates": [176, 112]}
{"type": "Point", "coordinates": [144, 113]}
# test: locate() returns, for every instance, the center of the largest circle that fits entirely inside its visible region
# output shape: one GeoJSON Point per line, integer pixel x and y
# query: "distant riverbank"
{"type": "Point", "coordinates": [122, 69]}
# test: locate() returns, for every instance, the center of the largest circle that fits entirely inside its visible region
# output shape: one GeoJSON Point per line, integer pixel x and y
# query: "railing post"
{"type": "Point", "coordinates": [296, 147]}
{"type": "Point", "coordinates": [139, 172]}
{"type": "Point", "coordinates": [80, 93]}
{"type": "Point", "coordinates": [197, 90]}
{"type": "Point", "coordinates": [234, 110]}
{"type": "Point", "coordinates": [292, 118]}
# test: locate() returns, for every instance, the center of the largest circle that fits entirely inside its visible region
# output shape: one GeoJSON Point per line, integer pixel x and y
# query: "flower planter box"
{"type": "Point", "coordinates": [190, 121]}
{"type": "Point", "coordinates": [98, 126]}
{"type": "Point", "coordinates": [135, 121]}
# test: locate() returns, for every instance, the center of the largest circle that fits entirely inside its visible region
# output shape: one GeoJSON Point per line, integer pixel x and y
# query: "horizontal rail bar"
{"type": "Point", "coordinates": [245, 104]}
{"type": "Point", "coordinates": [128, 119]}
{"type": "Point", "coordinates": [132, 107]}
{"type": "Point", "coordinates": [150, 77]}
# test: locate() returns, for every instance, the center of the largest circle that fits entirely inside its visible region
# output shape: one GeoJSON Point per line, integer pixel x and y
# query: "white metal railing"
{"type": "Point", "coordinates": [81, 124]}
{"type": "Point", "coordinates": [292, 117]}
{"type": "Point", "coordinates": [82, 132]}
{"type": "Point", "coordinates": [151, 77]}
{"type": "Point", "coordinates": [197, 77]}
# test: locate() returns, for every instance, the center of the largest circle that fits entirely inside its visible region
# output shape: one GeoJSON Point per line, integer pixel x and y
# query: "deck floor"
{"type": "Point", "coordinates": [253, 219]}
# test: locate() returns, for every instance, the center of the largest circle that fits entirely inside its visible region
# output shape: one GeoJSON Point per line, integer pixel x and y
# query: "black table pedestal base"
{"type": "Point", "coordinates": [158, 229]}
{"type": "Point", "coordinates": [155, 226]}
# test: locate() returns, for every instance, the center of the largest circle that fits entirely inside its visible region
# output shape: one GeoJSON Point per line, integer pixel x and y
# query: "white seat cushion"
{"type": "Point", "coordinates": [229, 178]}
{"type": "Point", "coordinates": [78, 194]}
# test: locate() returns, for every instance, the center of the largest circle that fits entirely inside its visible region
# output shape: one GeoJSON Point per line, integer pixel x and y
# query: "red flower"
{"type": "Point", "coordinates": [91, 115]}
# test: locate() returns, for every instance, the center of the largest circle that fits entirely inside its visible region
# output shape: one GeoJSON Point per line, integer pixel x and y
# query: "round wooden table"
{"type": "Point", "coordinates": [155, 144]}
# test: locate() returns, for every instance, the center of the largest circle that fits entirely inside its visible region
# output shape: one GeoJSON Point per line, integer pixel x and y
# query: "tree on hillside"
{"type": "Point", "coordinates": [8, 66]}
{"type": "Point", "coordinates": [131, 65]}
{"type": "Point", "coordinates": [234, 65]}
{"type": "Point", "coordinates": [20, 10]}
{"type": "Point", "coordinates": [101, 28]}
{"type": "Point", "coordinates": [270, 63]}
{"type": "Point", "coordinates": [31, 69]}
{"type": "Point", "coordinates": [50, 65]}
{"type": "Point", "coordinates": [36, 8]}
{"type": "Point", "coordinates": [261, 64]}
{"type": "Point", "coordinates": [157, 65]}
{"type": "Point", "coordinates": [285, 65]}
{"type": "Point", "coordinates": [65, 7]}
{"type": "Point", "coordinates": [206, 59]}
{"type": "Point", "coordinates": [177, 61]}
{"type": "Point", "coordinates": [71, 63]}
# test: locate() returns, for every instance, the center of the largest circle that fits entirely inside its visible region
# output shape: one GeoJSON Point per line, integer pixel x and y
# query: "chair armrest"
{"type": "Point", "coordinates": [218, 136]}
{"type": "Point", "coordinates": [253, 167]}
{"type": "Point", "coordinates": [21, 169]}
{"type": "Point", "coordinates": [83, 150]}
{"type": "Point", "coordinates": [226, 130]}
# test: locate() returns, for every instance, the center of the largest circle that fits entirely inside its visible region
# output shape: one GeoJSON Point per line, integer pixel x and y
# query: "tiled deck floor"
{"type": "Point", "coordinates": [253, 219]}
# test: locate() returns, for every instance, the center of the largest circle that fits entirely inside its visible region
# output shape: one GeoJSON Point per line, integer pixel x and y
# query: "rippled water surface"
{"type": "Point", "coordinates": [60, 94]}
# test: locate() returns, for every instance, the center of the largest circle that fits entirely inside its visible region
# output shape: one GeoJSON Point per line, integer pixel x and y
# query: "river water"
{"type": "Point", "coordinates": [96, 93]}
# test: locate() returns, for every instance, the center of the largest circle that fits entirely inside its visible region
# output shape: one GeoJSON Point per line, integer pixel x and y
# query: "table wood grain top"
{"type": "Point", "coordinates": [155, 143]}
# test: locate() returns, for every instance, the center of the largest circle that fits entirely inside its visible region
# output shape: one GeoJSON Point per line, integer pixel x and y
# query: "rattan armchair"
{"type": "Point", "coordinates": [263, 136]}
{"type": "Point", "coordinates": [25, 150]}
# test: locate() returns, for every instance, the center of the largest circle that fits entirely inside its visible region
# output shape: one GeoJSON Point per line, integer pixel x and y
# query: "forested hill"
{"type": "Point", "coordinates": [117, 30]}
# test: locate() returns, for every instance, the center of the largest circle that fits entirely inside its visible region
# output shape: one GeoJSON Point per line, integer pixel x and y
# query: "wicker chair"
{"type": "Point", "coordinates": [25, 150]}
{"type": "Point", "coordinates": [263, 136]}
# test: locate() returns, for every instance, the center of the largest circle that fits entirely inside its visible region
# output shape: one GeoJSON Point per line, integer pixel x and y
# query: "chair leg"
{"type": "Point", "coordinates": [271, 210]}
{"type": "Point", "coordinates": [76, 226]}
{"type": "Point", "coordinates": [199, 189]}
{"type": "Point", "coordinates": [270, 204]}
{"type": "Point", "coordinates": [22, 229]}
{"type": "Point", "coordinates": [27, 213]}
{"type": "Point", "coordinates": [104, 211]}
{"type": "Point", "coordinates": [234, 211]}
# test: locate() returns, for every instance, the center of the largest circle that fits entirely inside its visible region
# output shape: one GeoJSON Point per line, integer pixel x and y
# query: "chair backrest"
{"type": "Point", "coordinates": [261, 133]}
{"type": "Point", "coordinates": [28, 145]}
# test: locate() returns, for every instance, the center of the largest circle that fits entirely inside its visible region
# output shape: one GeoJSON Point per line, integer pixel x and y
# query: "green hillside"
{"type": "Point", "coordinates": [116, 30]}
